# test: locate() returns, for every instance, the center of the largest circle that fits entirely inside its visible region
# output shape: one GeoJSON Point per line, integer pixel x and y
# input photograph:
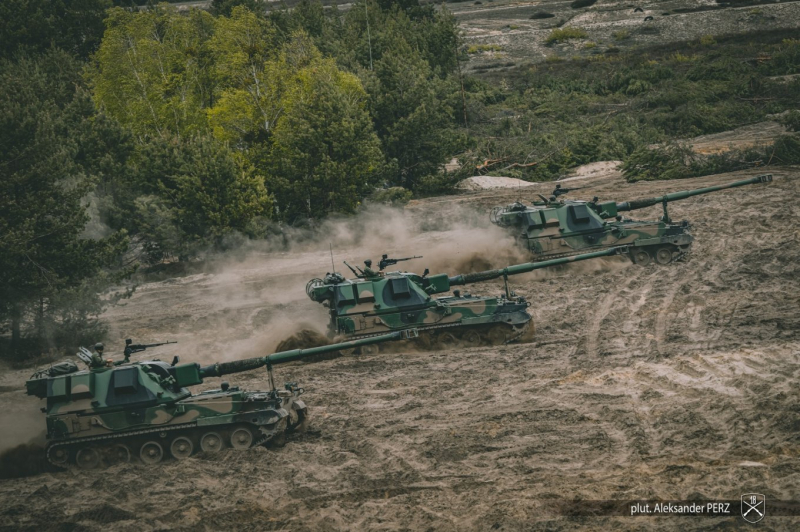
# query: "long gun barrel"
{"type": "Point", "coordinates": [559, 191]}
{"type": "Point", "coordinates": [226, 368]}
{"type": "Point", "coordinates": [518, 269]}
{"type": "Point", "coordinates": [647, 202]}
{"type": "Point", "coordinates": [385, 261]}
{"type": "Point", "coordinates": [135, 348]}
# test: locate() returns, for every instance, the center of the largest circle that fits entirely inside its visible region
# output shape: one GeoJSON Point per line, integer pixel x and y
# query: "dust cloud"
{"type": "Point", "coordinates": [251, 300]}
{"type": "Point", "coordinates": [22, 436]}
{"type": "Point", "coordinates": [641, 382]}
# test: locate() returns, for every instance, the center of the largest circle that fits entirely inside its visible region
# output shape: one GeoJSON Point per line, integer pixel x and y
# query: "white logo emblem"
{"type": "Point", "coordinates": [754, 507]}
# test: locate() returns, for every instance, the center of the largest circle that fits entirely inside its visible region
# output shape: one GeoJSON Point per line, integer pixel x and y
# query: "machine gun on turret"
{"type": "Point", "coordinates": [131, 348]}
{"type": "Point", "coordinates": [559, 191]}
{"type": "Point", "coordinates": [145, 409]}
{"type": "Point", "coordinates": [550, 229]}
{"type": "Point", "coordinates": [366, 306]}
{"type": "Point", "coordinates": [386, 261]}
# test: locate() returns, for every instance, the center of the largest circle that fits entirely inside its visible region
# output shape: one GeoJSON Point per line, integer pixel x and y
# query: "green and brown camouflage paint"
{"type": "Point", "coordinates": [147, 407]}
{"type": "Point", "coordinates": [555, 228]}
{"type": "Point", "coordinates": [396, 301]}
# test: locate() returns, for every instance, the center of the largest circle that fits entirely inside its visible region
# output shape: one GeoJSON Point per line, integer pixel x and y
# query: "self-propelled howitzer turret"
{"type": "Point", "coordinates": [550, 228]}
{"type": "Point", "coordinates": [112, 413]}
{"type": "Point", "coordinates": [394, 301]}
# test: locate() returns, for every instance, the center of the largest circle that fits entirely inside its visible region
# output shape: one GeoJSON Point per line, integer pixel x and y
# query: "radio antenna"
{"type": "Point", "coordinates": [332, 263]}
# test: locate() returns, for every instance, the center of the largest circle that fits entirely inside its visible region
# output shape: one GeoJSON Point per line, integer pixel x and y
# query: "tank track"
{"type": "Point", "coordinates": [127, 436]}
{"type": "Point", "coordinates": [112, 438]}
{"type": "Point", "coordinates": [518, 331]}
{"type": "Point", "coordinates": [682, 256]}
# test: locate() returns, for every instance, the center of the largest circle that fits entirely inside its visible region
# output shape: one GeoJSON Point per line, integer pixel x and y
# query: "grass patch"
{"type": "Point", "coordinates": [571, 111]}
{"type": "Point", "coordinates": [565, 34]}
{"type": "Point", "coordinates": [621, 35]}
{"type": "Point", "coordinates": [678, 161]}
{"type": "Point", "coordinates": [707, 40]}
{"type": "Point", "coordinates": [477, 48]}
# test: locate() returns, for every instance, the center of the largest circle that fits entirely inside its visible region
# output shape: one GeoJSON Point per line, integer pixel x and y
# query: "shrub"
{"type": "Point", "coordinates": [541, 15]}
{"type": "Point", "coordinates": [791, 120]}
{"type": "Point", "coordinates": [680, 58]}
{"type": "Point", "coordinates": [577, 4]}
{"type": "Point", "coordinates": [786, 150]}
{"type": "Point", "coordinates": [663, 162]}
{"type": "Point", "coordinates": [391, 196]}
{"type": "Point", "coordinates": [707, 40]}
{"type": "Point", "coordinates": [676, 161]}
{"type": "Point", "coordinates": [565, 34]}
{"type": "Point", "coordinates": [475, 48]}
{"type": "Point", "coordinates": [621, 35]}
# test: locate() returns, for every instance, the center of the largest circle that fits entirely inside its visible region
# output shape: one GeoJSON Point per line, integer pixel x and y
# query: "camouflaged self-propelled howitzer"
{"type": "Point", "coordinates": [375, 303]}
{"type": "Point", "coordinates": [550, 228]}
{"type": "Point", "coordinates": [112, 412]}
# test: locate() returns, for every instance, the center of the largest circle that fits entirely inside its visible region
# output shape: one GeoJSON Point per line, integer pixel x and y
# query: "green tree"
{"type": "Point", "coordinates": [299, 118]}
{"type": "Point", "coordinates": [153, 71]}
{"type": "Point", "coordinates": [35, 25]}
{"type": "Point", "coordinates": [409, 83]}
{"type": "Point", "coordinates": [225, 7]}
{"type": "Point", "coordinates": [431, 34]}
{"type": "Point", "coordinates": [326, 156]}
{"type": "Point", "coordinates": [249, 104]}
{"type": "Point", "coordinates": [412, 115]}
{"type": "Point", "coordinates": [48, 169]}
{"type": "Point", "coordinates": [191, 193]}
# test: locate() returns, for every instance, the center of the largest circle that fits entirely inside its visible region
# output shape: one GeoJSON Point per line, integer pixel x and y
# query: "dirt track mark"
{"type": "Point", "coordinates": [661, 317]}
{"type": "Point", "coordinates": [602, 312]}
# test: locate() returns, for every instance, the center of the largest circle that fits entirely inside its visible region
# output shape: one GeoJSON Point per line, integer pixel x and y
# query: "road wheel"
{"type": "Point", "coordinates": [59, 456]}
{"type": "Point", "coordinates": [446, 340]}
{"type": "Point", "coordinates": [641, 257]}
{"type": "Point", "coordinates": [528, 334]}
{"type": "Point", "coordinates": [87, 458]}
{"type": "Point", "coordinates": [151, 453]}
{"type": "Point", "coordinates": [424, 341]}
{"type": "Point", "coordinates": [301, 423]}
{"type": "Point", "coordinates": [496, 335]}
{"type": "Point", "coordinates": [664, 256]}
{"type": "Point", "coordinates": [277, 441]}
{"type": "Point", "coordinates": [371, 349]}
{"type": "Point", "coordinates": [471, 339]}
{"type": "Point", "coordinates": [241, 438]}
{"type": "Point", "coordinates": [118, 454]}
{"type": "Point", "coordinates": [181, 448]}
{"type": "Point", "coordinates": [211, 442]}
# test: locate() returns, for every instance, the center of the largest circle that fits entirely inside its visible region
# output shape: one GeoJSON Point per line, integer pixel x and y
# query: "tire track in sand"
{"type": "Point", "coordinates": [661, 317]}
{"type": "Point", "coordinates": [713, 274]}
{"type": "Point", "coordinates": [603, 311]}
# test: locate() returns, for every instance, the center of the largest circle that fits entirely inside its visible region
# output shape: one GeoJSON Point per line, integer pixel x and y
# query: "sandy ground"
{"type": "Point", "coordinates": [756, 135]}
{"type": "Point", "coordinates": [594, 170]}
{"type": "Point", "coordinates": [485, 182]}
{"type": "Point", "coordinates": [512, 38]}
{"type": "Point", "coordinates": [643, 382]}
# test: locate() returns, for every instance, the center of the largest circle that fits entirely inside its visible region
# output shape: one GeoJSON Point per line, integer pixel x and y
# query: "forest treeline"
{"type": "Point", "coordinates": [137, 135]}
{"type": "Point", "coordinates": [134, 136]}
{"type": "Point", "coordinates": [637, 106]}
